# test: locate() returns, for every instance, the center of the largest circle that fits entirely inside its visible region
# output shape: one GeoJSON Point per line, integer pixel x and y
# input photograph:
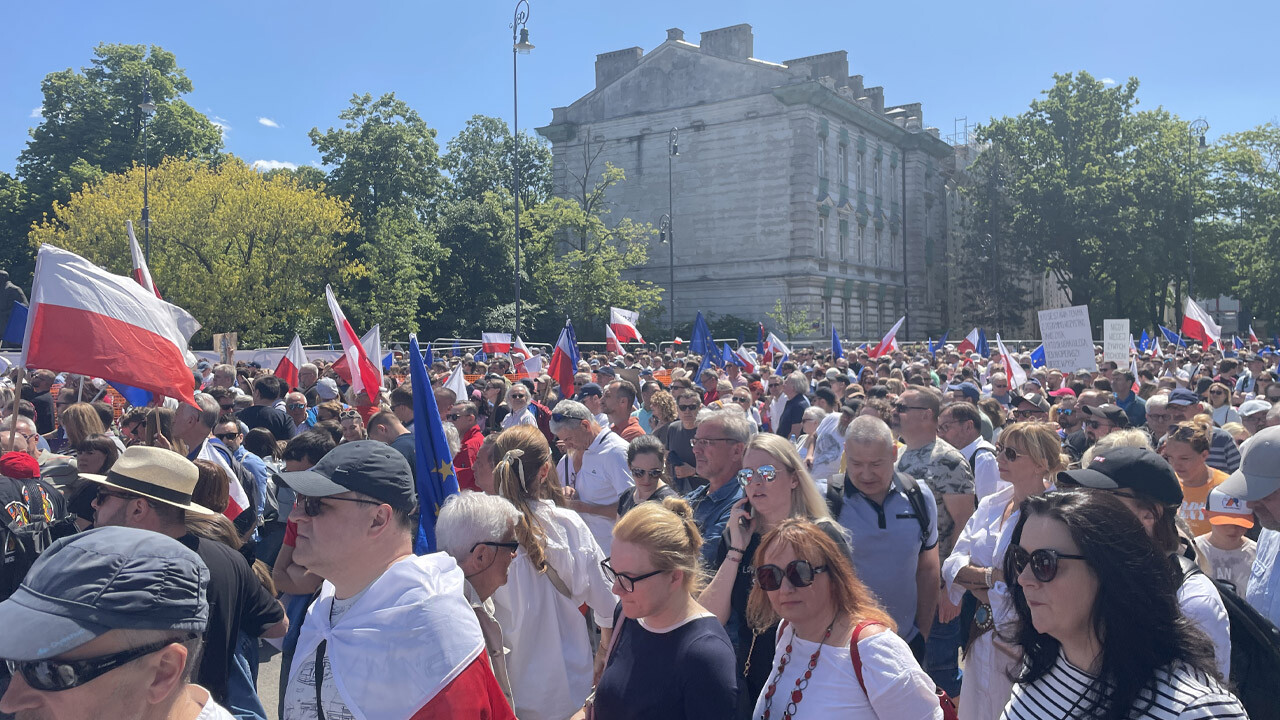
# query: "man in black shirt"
{"type": "Point", "coordinates": [150, 488]}
{"type": "Point", "coordinates": [385, 427]}
{"type": "Point", "coordinates": [37, 393]}
{"type": "Point", "coordinates": [267, 391]}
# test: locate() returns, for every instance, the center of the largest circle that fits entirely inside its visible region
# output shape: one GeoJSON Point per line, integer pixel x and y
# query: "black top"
{"type": "Point", "coordinates": [263, 416]}
{"type": "Point", "coordinates": [44, 408]}
{"type": "Point", "coordinates": [628, 498]}
{"type": "Point", "coordinates": [237, 601]}
{"type": "Point", "coordinates": [406, 447]}
{"type": "Point", "coordinates": [683, 673]}
{"type": "Point", "coordinates": [680, 452]}
{"type": "Point", "coordinates": [792, 413]}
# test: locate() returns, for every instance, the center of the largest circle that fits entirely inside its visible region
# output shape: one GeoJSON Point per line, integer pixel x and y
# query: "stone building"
{"type": "Point", "coordinates": [794, 182]}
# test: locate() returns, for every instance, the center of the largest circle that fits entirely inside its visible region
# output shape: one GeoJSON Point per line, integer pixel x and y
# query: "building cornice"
{"type": "Point", "coordinates": [820, 96]}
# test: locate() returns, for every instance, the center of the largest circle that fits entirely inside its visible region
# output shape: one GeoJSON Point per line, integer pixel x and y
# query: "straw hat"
{"type": "Point", "coordinates": [155, 474]}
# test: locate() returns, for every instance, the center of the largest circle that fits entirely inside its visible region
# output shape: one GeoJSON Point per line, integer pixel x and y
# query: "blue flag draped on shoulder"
{"type": "Point", "coordinates": [435, 478]}
{"type": "Point", "coordinates": [837, 350]}
{"type": "Point", "coordinates": [1172, 337]}
{"type": "Point", "coordinates": [15, 331]}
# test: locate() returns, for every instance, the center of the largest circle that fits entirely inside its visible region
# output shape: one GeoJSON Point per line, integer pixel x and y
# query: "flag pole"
{"type": "Point", "coordinates": [19, 377]}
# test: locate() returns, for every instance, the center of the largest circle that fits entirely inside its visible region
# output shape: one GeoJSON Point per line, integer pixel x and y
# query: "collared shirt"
{"type": "Point", "coordinates": [887, 543]}
{"type": "Point", "coordinates": [1264, 582]}
{"type": "Point", "coordinates": [1136, 408]}
{"type": "Point", "coordinates": [986, 471]}
{"type": "Point", "coordinates": [643, 417]}
{"type": "Point", "coordinates": [629, 430]}
{"type": "Point", "coordinates": [601, 480]}
{"type": "Point", "coordinates": [711, 514]}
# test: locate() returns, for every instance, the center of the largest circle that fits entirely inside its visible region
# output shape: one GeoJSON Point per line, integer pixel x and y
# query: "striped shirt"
{"type": "Point", "coordinates": [1181, 693]}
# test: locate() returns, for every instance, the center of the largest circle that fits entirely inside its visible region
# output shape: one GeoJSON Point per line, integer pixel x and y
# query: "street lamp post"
{"type": "Point", "coordinates": [673, 150]}
{"type": "Point", "coordinates": [520, 45]}
{"type": "Point", "coordinates": [148, 109]}
{"type": "Point", "coordinates": [1197, 129]}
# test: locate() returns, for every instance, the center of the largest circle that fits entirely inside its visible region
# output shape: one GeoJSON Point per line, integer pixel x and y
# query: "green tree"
{"type": "Point", "coordinates": [988, 275]}
{"type": "Point", "coordinates": [791, 319]}
{"type": "Point", "coordinates": [307, 176]}
{"type": "Point", "coordinates": [1246, 217]}
{"type": "Point", "coordinates": [480, 274]}
{"type": "Point", "coordinates": [238, 251]}
{"type": "Point", "coordinates": [15, 256]}
{"type": "Point", "coordinates": [479, 160]}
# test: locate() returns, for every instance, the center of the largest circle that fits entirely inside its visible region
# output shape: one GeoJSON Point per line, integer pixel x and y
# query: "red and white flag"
{"type": "Point", "coordinates": [969, 343]}
{"type": "Point", "coordinates": [1253, 336]}
{"type": "Point", "coordinates": [1012, 370]}
{"type": "Point", "coordinates": [372, 344]}
{"type": "Point", "coordinates": [291, 364]}
{"type": "Point", "coordinates": [365, 374]}
{"type": "Point", "coordinates": [611, 343]}
{"type": "Point", "coordinates": [748, 362]}
{"type": "Point", "coordinates": [623, 323]}
{"type": "Point", "coordinates": [237, 498]}
{"type": "Point", "coordinates": [84, 320]}
{"type": "Point", "coordinates": [889, 342]}
{"type": "Point", "coordinates": [1197, 324]}
{"type": "Point", "coordinates": [141, 272]}
{"type": "Point", "coordinates": [519, 352]}
{"type": "Point", "coordinates": [564, 360]}
{"type": "Point", "coordinates": [495, 343]}
{"type": "Point", "coordinates": [1133, 370]}
{"type": "Point", "coordinates": [773, 346]}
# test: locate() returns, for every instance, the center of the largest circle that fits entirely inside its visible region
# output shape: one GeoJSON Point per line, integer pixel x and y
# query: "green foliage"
{"type": "Point", "coordinates": [477, 234]}
{"type": "Point", "coordinates": [722, 326]}
{"type": "Point", "coordinates": [988, 275]}
{"type": "Point", "coordinates": [308, 176]}
{"type": "Point", "coordinates": [479, 160]}
{"type": "Point", "coordinates": [15, 254]}
{"type": "Point", "coordinates": [791, 319]}
{"type": "Point", "coordinates": [1246, 220]}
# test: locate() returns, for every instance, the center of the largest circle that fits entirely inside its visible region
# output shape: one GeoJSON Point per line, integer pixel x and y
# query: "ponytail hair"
{"type": "Point", "coordinates": [668, 533]}
{"type": "Point", "coordinates": [522, 454]}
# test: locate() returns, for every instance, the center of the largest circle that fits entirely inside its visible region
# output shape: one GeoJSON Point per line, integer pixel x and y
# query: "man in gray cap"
{"type": "Point", "coordinates": [107, 625]}
{"type": "Point", "coordinates": [1258, 483]}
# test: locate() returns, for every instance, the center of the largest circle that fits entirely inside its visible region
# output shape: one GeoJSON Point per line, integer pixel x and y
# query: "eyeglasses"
{"type": "Point", "coordinates": [1216, 392]}
{"type": "Point", "coordinates": [639, 473]}
{"type": "Point", "coordinates": [1024, 414]}
{"type": "Point", "coordinates": [1068, 412]}
{"type": "Point", "coordinates": [775, 385]}
{"type": "Point", "coordinates": [104, 494]}
{"type": "Point", "coordinates": [452, 416]}
{"type": "Point", "coordinates": [743, 400]}
{"type": "Point", "coordinates": [900, 408]}
{"type": "Point", "coordinates": [798, 572]}
{"type": "Point", "coordinates": [313, 506]}
{"type": "Point", "coordinates": [1043, 562]}
{"type": "Point", "coordinates": [227, 436]}
{"type": "Point", "coordinates": [300, 406]}
{"type": "Point", "coordinates": [626, 582]}
{"type": "Point", "coordinates": [764, 473]}
{"type": "Point", "coordinates": [348, 415]}
{"type": "Point", "coordinates": [511, 547]}
{"type": "Point", "coordinates": [1095, 424]}
{"type": "Point", "coordinates": [704, 442]}
{"type": "Point", "coordinates": [1009, 453]}
{"type": "Point", "coordinates": [517, 396]}
{"type": "Point", "coordinates": [561, 417]}
{"type": "Point", "coordinates": [689, 408]}
{"type": "Point", "coordinates": [58, 675]}
{"type": "Point", "coordinates": [228, 407]}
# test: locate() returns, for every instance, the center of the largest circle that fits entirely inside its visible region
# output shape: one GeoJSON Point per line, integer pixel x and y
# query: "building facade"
{"type": "Point", "coordinates": [793, 183]}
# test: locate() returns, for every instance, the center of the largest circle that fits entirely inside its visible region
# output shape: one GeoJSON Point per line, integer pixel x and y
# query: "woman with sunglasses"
{"type": "Point", "coordinates": [837, 654]}
{"type": "Point", "coordinates": [520, 413]}
{"type": "Point", "coordinates": [556, 571]}
{"type": "Point", "coordinates": [669, 658]}
{"type": "Point", "coordinates": [1098, 624]}
{"type": "Point", "coordinates": [1220, 402]}
{"type": "Point", "coordinates": [647, 458]}
{"type": "Point", "coordinates": [492, 406]}
{"type": "Point", "coordinates": [352, 426]}
{"type": "Point", "coordinates": [1029, 456]}
{"type": "Point", "coordinates": [777, 487]}
{"type": "Point", "coordinates": [1186, 449]}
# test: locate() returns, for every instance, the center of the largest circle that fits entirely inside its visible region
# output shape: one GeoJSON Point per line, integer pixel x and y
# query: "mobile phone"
{"type": "Point", "coordinates": [745, 520]}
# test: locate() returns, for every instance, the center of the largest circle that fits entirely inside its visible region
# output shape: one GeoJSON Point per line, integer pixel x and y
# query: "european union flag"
{"type": "Point", "coordinates": [1037, 357]}
{"type": "Point", "coordinates": [429, 358]}
{"type": "Point", "coordinates": [837, 350]}
{"type": "Point", "coordinates": [1144, 342]}
{"type": "Point", "coordinates": [727, 355]}
{"type": "Point", "coordinates": [943, 342]}
{"type": "Point", "coordinates": [481, 356]}
{"type": "Point", "coordinates": [15, 332]}
{"type": "Point", "coordinates": [1172, 337]}
{"type": "Point", "coordinates": [136, 397]}
{"type": "Point", "coordinates": [435, 478]}
{"type": "Point", "coordinates": [702, 344]}
{"type": "Point", "coordinates": [457, 351]}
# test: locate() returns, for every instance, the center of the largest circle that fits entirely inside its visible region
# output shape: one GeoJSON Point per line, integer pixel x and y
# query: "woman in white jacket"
{"type": "Point", "coordinates": [1029, 455]}
{"type": "Point", "coordinates": [556, 571]}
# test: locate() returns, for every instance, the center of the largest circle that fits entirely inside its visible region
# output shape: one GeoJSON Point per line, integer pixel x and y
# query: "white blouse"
{"type": "Point", "coordinates": [897, 689]}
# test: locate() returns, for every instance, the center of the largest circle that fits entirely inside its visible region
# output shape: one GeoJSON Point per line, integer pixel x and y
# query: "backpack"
{"type": "Point", "coordinates": [25, 533]}
{"type": "Point", "coordinates": [1255, 649]}
{"type": "Point", "coordinates": [909, 487]}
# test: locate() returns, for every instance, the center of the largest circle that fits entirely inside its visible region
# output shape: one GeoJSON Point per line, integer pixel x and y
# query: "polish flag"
{"type": "Point", "coordinates": [237, 498]}
{"type": "Point", "coordinates": [496, 342]}
{"type": "Point", "coordinates": [564, 360]}
{"type": "Point", "coordinates": [84, 320]}
{"type": "Point", "coordinates": [970, 343]}
{"type": "Point", "coordinates": [748, 362]}
{"type": "Point", "coordinates": [458, 384]}
{"type": "Point", "coordinates": [365, 375]}
{"type": "Point", "coordinates": [623, 323]}
{"type": "Point", "coordinates": [774, 347]}
{"type": "Point", "coordinates": [1012, 370]}
{"type": "Point", "coordinates": [519, 351]}
{"type": "Point", "coordinates": [611, 341]}
{"type": "Point", "coordinates": [1133, 368]}
{"type": "Point", "coordinates": [141, 272]}
{"type": "Point", "coordinates": [372, 344]}
{"type": "Point", "coordinates": [1253, 337]}
{"type": "Point", "coordinates": [1197, 324]}
{"type": "Point", "coordinates": [889, 342]}
{"type": "Point", "coordinates": [289, 366]}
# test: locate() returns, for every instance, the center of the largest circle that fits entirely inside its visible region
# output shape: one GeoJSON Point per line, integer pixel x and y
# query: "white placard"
{"type": "Point", "coordinates": [1115, 341]}
{"type": "Point", "coordinates": [1068, 339]}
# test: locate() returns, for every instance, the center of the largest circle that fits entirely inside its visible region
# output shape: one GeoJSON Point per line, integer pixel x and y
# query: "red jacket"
{"type": "Point", "coordinates": [466, 458]}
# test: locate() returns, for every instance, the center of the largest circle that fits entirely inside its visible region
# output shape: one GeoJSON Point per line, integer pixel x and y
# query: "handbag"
{"type": "Point", "coordinates": [949, 709]}
{"type": "Point", "coordinates": [590, 704]}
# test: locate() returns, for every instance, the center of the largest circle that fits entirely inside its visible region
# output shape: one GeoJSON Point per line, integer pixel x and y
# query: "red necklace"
{"type": "Point", "coordinates": [802, 682]}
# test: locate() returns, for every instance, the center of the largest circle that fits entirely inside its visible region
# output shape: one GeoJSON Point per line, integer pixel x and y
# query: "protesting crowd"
{"type": "Point", "coordinates": [912, 535]}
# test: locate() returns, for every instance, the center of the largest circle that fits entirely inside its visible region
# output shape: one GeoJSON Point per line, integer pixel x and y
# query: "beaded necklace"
{"type": "Point", "coordinates": [802, 682]}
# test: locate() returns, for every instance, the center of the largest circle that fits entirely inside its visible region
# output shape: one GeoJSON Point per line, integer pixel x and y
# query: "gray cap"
{"type": "Point", "coordinates": [1251, 407]}
{"type": "Point", "coordinates": [368, 467]}
{"type": "Point", "coordinates": [111, 578]}
{"type": "Point", "coordinates": [327, 388]}
{"type": "Point", "coordinates": [1259, 473]}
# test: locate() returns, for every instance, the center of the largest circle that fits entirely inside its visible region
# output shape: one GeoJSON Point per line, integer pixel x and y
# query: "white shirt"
{"type": "Point", "coordinates": [1202, 605]}
{"type": "Point", "coordinates": [524, 417]}
{"type": "Point", "coordinates": [897, 689]}
{"type": "Point", "coordinates": [550, 664]}
{"type": "Point", "coordinates": [1230, 566]}
{"type": "Point", "coordinates": [209, 710]}
{"type": "Point", "coordinates": [986, 471]}
{"type": "Point", "coordinates": [827, 449]}
{"type": "Point", "coordinates": [603, 478]}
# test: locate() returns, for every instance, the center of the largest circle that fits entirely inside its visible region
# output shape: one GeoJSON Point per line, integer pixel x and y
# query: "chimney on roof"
{"type": "Point", "coordinates": [735, 42]}
{"type": "Point", "coordinates": [612, 65]}
{"type": "Point", "coordinates": [675, 34]}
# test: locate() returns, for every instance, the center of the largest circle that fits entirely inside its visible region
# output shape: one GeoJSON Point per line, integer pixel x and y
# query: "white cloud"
{"type": "Point", "coordinates": [268, 122]}
{"type": "Point", "coordinates": [1108, 81]}
{"type": "Point", "coordinates": [221, 124]}
{"type": "Point", "coordinates": [265, 165]}
{"type": "Point", "coordinates": [36, 112]}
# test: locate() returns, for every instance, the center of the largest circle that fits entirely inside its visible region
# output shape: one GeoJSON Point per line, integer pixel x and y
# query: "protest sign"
{"type": "Point", "coordinates": [1068, 339]}
{"type": "Point", "coordinates": [1115, 341]}
{"type": "Point", "coordinates": [225, 345]}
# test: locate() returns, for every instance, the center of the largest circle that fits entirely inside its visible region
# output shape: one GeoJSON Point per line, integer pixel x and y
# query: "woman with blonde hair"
{"type": "Point", "coordinates": [662, 637]}
{"type": "Point", "coordinates": [1029, 456]}
{"type": "Point", "coordinates": [1220, 402]}
{"type": "Point", "coordinates": [1186, 449]}
{"type": "Point", "coordinates": [79, 421]}
{"type": "Point", "coordinates": [556, 570]}
{"type": "Point", "coordinates": [777, 487]}
{"type": "Point", "coordinates": [837, 653]}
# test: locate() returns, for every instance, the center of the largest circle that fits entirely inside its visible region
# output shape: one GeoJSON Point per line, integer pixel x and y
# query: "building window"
{"type": "Point", "coordinates": [844, 237]}
{"type": "Point", "coordinates": [822, 236]}
{"type": "Point", "coordinates": [822, 157]}
{"type": "Point", "coordinates": [894, 254]}
{"type": "Point", "coordinates": [873, 319]}
{"type": "Point", "coordinates": [857, 177]}
{"type": "Point", "coordinates": [877, 253]}
{"type": "Point", "coordinates": [882, 249]}
{"type": "Point", "coordinates": [853, 321]}
{"type": "Point", "coordinates": [875, 178]}
{"type": "Point", "coordinates": [826, 312]}
{"type": "Point", "coordinates": [862, 239]}
{"type": "Point", "coordinates": [843, 156]}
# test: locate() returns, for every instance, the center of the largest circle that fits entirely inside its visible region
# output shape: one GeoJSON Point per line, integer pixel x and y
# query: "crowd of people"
{"type": "Point", "coordinates": [909, 536]}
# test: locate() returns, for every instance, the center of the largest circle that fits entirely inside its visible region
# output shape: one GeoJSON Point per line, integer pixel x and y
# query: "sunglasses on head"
{"type": "Point", "coordinates": [58, 675]}
{"type": "Point", "coordinates": [313, 506]}
{"type": "Point", "coordinates": [639, 473]}
{"type": "Point", "coordinates": [349, 415]}
{"type": "Point", "coordinates": [1043, 562]}
{"type": "Point", "coordinates": [798, 572]}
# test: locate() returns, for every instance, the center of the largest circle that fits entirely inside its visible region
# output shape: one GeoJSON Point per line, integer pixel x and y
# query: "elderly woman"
{"type": "Point", "coordinates": [1029, 457]}
{"type": "Point", "coordinates": [518, 403]}
{"type": "Point", "coordinates": [556, 570]}
{"type": "Point", "coordinates": [778, 486]}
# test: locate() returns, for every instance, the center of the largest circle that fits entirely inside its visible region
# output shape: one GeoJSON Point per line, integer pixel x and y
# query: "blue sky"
{"type": "Point", "coordinates": [271, 70]}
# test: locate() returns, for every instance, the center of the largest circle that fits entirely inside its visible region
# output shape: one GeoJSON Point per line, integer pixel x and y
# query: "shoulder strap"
{"type": "Point", "coordinates": [556, 581]}
{"type": "Point", "coordinates": [855, 655]}
{"type": "Point", "coordinates": [974, 455]}
{"type": "Point", "coordinates": [911, 489]}
{"type": "Point", "coordinates": [319, 671]}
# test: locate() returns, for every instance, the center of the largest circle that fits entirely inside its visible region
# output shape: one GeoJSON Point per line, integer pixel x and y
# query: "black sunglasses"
{"type": "Point", "coordinates": [1092, 424]}
{"type": "Point", "coordinates": [511, 547]}
{"type": "Point", "coordinates": [1044, 562]}
{"type": "Point", "coordinates": [452, 416]}
{"type": "Point", "coordinates": [626, 582]}
{"type": "Point", "coordinates": [227, 436]}
{"type": "Point", "coordinates": [58, 675]}
{"type": "Point", "coordinates": [1009, 453]}
{"type": "Point", "coordinates": [313, 506]}
{"type": "Point", "coordinates": [798, 572]}
{"type": "Point", "coordinates": [688, 408]}
{"type": "Point", "coordinates": [654, 474]}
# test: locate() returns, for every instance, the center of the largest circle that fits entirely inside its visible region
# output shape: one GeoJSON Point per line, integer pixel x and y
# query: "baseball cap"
{"type": "Point", "coordinates": [589, 389]}
{"type": "Point", "coordinates": [19, 466]}
{"type": "Point", "coordinates": [1251, 407]}
{"type": "Point", "coordinates": [607, 370]}
{"type": "Point", "coordinates": [969, 389]}
{"type": "Point", "coordinates": [109, 578]}
{"type": "Point", "coordinates": [1259, 473]}
{"type": "Point", "coordinates": [1107, 411]}
{"type": "Point", "coordinates": [1033, 398]}
{"type": "Point", "coordinates": [1132, 468]}
{"type": "Point", "coordinates": [368, 467]}
{"type": "Point", "coordinates": [1222, 509]}
{"type": "Point", "coordinates": [1062, 392]}
{"type": "Point", "coordinates": [327, 389]}
{"type": "Point", "coordinates": [570, 410]}
{"type": "Point", "coordinates": [1183, 397]}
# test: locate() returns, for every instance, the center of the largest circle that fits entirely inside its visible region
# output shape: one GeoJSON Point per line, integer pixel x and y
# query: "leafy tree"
{"type": "Point", "coordinates": [15, 256]}
{"type": "Point", "coordinates": [238, 251]}
{"type": "Point", "coordinates": [307, 176]}
{"type": "Point", "coordinates": [989, 276]}
{"type": "Point", "coordinates": [790, 318]}
{"type": "Point", "coordinates": [479, 160]}
{"type": "Point", "coordinates": [480, 274]}
{"type": "Point", "coordinates": [1247, 217]}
